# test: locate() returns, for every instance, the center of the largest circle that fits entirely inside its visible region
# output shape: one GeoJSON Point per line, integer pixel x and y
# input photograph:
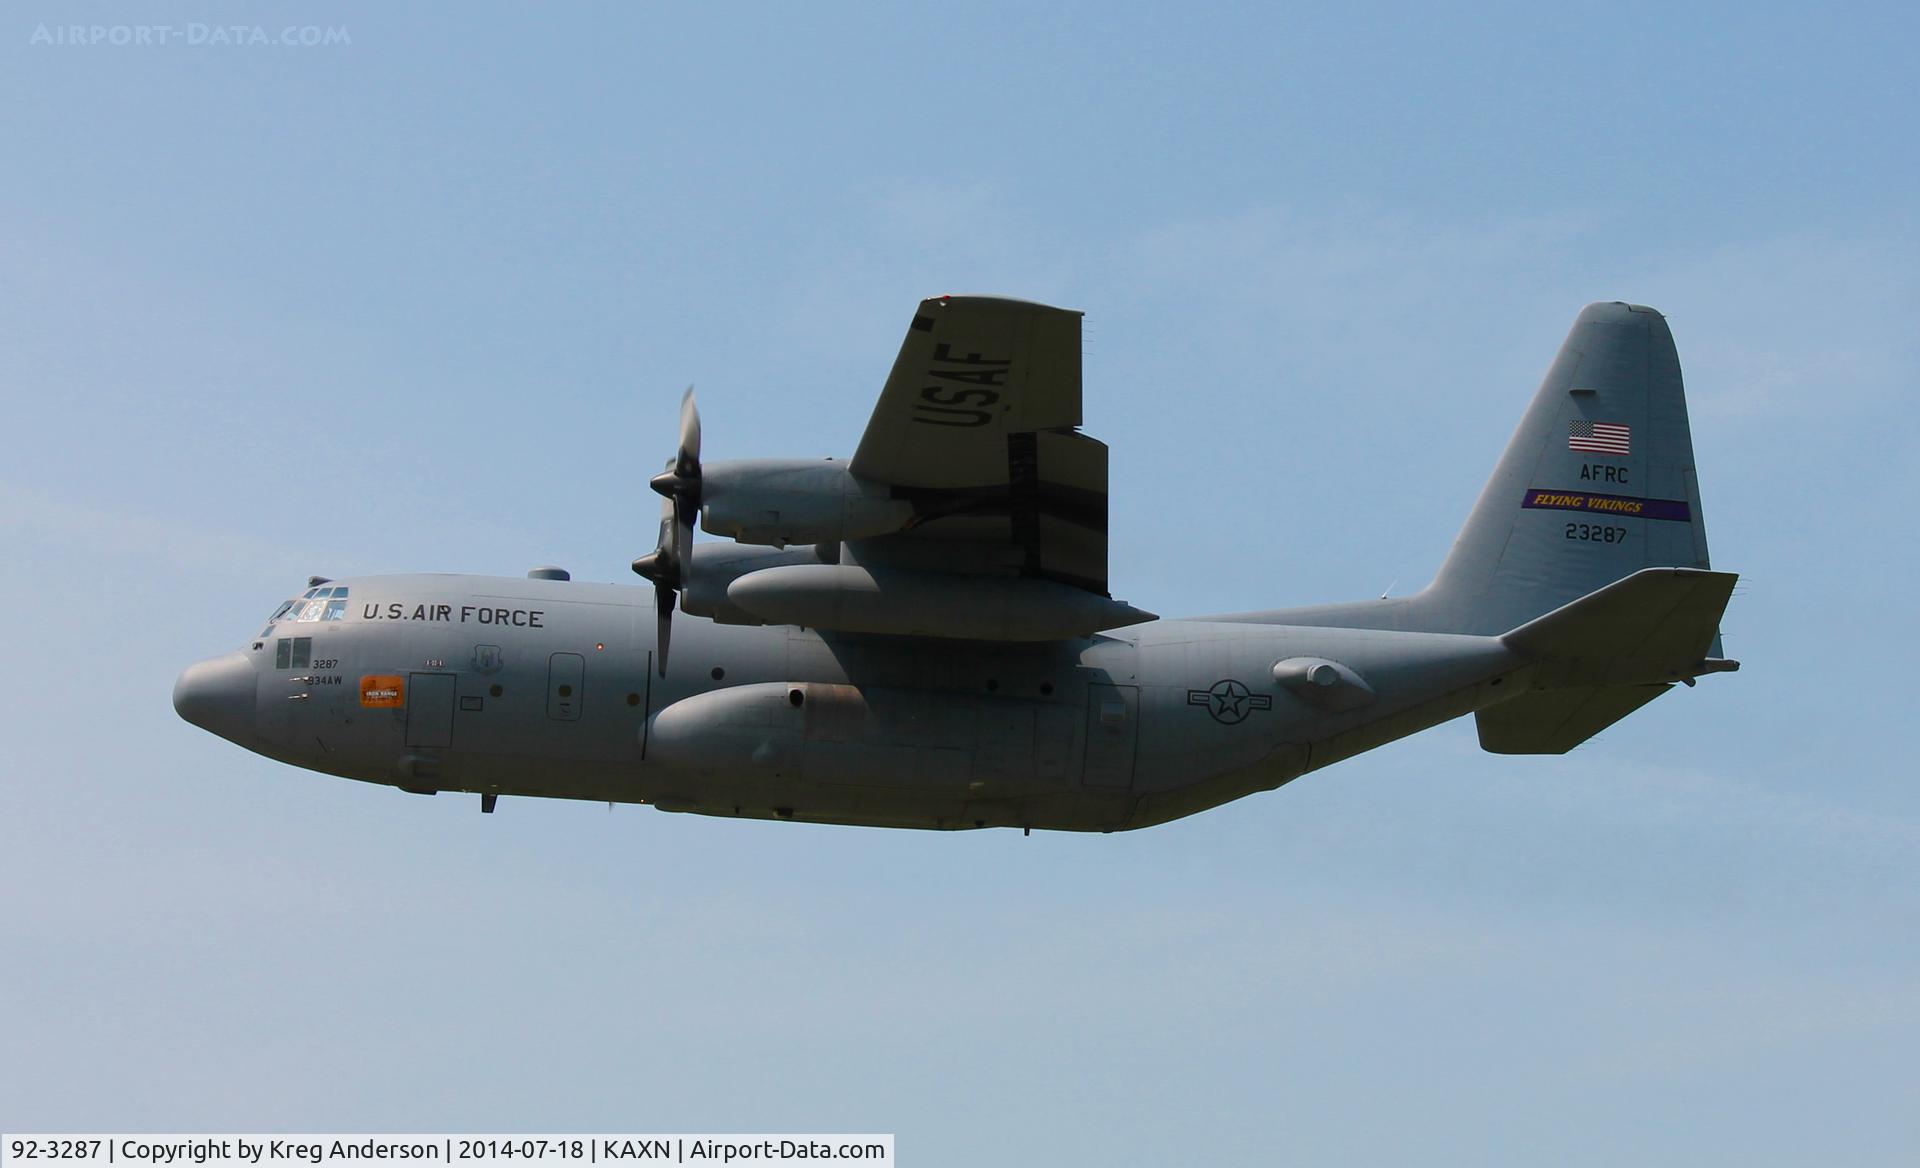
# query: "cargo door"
{"type": "Point", "coordinates": [430, 709]}
{"type": "Point", "coordinates": [1113, 718]}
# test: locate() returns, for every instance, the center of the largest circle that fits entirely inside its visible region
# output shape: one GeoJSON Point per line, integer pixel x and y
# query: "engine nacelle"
{"type": "Point", "coordinates": [780, 501]}
{"type": "Point", "coordinates": [717, 565]}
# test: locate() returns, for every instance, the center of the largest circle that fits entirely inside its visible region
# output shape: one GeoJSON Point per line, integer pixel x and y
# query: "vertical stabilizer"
{"type": "Point", "coordinates": [1597, 483]}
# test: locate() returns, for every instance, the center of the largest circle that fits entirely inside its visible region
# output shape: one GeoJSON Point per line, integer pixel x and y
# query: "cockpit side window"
{"type": "Point", "coordinates": [286, 607]}
{"type": "Point", "coordinates": [336, 609]}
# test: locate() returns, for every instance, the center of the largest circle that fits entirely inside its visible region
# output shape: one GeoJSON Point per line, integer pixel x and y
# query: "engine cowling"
{"type": "Point", "coordinates": [779, 502]}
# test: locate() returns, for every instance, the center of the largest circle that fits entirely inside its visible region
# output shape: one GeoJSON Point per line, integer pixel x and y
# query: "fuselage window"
{"type": "Point", "coordinates": [283, 653]}
{"type": "Point", "coordinates": [302, 651]}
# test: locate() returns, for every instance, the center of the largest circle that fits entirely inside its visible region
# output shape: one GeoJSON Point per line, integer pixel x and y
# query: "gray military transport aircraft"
{"type": "Point", "coordinates": [922, 636]}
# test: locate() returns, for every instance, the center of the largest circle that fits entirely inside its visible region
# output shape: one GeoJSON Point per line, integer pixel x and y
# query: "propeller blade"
{"type": "Point", "coordinates": [663, 613]}
{"type": "Point", "coordinates": [663, 544]}
{"type": "Point", "coordinates": [669, 565]}
{"type": "Point", "coordinates": [681, 549]}
{"type": "Point", "coordinates": [687, 465]}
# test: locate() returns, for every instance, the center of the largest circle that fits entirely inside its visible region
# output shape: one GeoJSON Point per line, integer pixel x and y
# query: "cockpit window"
{"type": "Point", "coordinates": [286, 608]}
{"type": "Point", "coordinates": [324, 607]}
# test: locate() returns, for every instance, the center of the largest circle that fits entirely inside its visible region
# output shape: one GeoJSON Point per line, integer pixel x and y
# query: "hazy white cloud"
{"type": "Point", "coordinates": [1747, 1013]}
{"type": "Point", "coordinates": [136, 537]}
{"type": "Point", "coordinates": [1807, 326]}
{"type": "Point", "coordinates": [1610, 779]}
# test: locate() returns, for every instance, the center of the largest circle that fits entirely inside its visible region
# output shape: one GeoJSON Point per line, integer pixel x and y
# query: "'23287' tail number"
{"type": "Point", "coordinates": [1596, 533]}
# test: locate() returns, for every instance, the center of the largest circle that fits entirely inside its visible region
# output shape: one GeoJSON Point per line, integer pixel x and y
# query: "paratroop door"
{"type": "Point", "coordinates": [430, 709]}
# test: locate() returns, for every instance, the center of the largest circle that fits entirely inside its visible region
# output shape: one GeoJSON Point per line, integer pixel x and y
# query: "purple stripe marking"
{"type": "Point", "coordinates": [1616, 506]}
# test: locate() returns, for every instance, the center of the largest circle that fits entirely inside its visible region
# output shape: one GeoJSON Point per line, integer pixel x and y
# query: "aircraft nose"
{"type": "Point", "coordinates": [217, 695]}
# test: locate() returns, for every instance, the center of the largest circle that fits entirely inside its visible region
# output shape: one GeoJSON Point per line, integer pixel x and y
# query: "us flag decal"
{"type": "Point", "coordinates": [1598, 437]}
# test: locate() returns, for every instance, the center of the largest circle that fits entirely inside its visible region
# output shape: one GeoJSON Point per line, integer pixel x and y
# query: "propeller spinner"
{"type": "Point", "coordinates": [670, 564]}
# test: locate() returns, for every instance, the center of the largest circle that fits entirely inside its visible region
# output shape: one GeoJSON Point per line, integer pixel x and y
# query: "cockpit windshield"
{"type": "Point", "coordinates": [326, 603]}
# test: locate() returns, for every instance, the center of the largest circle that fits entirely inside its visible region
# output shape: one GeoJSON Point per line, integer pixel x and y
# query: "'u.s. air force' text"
{"type": "Point", "coordinates": [466, 614]}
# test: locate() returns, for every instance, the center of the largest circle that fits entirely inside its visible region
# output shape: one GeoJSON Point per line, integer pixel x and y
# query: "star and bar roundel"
{"type": "Point", "coordinates": [1228, 701]}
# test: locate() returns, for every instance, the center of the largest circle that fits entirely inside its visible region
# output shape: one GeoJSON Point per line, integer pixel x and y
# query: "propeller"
{"type": "Point", "coordinates": [670, 564]}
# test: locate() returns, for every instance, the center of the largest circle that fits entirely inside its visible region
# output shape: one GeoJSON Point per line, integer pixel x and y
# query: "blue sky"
{"type": "Point", "coordinates": [426, 301]}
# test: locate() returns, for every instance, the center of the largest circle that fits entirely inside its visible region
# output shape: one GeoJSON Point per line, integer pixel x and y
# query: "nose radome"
{"type": "Point", "coordinates": [217, 695]}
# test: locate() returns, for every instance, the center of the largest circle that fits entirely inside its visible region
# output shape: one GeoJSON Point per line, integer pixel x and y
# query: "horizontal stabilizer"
{"type": "Point", "coordinates": [1607, 654]}
{"type": "Point", "coordinates": [1556, 721]}
{"type": "Point", "coordinates": [1657, 625]}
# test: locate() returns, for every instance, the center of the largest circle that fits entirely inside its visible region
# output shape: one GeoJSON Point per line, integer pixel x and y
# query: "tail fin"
{"type": "Point", "coordinates": [1597, 483]}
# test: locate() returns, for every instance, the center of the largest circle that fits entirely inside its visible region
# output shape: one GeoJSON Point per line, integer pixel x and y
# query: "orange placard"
{"type": "Point", "coordinates": [383, 691]}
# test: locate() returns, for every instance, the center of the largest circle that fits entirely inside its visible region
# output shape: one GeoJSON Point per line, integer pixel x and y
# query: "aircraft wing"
{"type": "Point", "coordinates": [976, 427]}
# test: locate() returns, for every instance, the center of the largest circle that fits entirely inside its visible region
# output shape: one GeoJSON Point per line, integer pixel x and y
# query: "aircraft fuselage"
{"type": "Point", "coordinates": [536, 687]}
